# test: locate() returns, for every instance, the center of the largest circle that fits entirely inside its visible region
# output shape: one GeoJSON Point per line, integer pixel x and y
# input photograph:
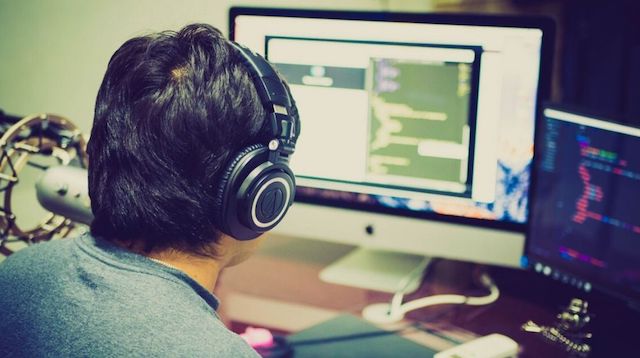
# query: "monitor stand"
{"type": "Point", "coordinates": [378, 270]}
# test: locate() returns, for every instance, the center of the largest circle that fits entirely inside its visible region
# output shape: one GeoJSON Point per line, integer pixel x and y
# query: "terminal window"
{"type": "Point", "coordinates": [419, 122]}
{"type": "Point", "coordinates": [383, 115]}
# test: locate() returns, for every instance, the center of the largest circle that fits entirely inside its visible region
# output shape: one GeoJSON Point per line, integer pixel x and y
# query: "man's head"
{"type": "Point", "coordinates": [171, 110]}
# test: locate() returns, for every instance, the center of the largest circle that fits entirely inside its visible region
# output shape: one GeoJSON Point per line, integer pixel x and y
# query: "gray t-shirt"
{"type": "Point", "coordinates": [87, 297]}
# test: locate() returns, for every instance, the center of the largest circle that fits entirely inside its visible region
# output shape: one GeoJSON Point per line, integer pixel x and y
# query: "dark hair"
{"type": "Point", "coordinates": [172, 108]}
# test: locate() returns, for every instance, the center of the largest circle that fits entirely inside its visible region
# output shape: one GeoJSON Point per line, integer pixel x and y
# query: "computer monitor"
{"type": "Point", "coordinates": [585, 224]}
{"type": "Point", "coordinates": [417, 129]}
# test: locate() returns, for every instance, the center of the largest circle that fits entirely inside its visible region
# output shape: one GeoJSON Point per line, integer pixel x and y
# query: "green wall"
{"type": "Point", "coordinates": [53, 54]}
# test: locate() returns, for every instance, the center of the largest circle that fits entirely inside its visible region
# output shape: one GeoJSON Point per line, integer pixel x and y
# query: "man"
{"type": "Point", "coordinates": [172, 110]}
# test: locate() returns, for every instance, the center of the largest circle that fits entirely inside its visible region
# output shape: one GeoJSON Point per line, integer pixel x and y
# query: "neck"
{"type": "Point", "coordinates": [204, 270]}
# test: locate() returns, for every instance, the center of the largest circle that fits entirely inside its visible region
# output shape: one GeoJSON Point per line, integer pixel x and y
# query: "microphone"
{"type": "Point", "coordinates": [64, 190]}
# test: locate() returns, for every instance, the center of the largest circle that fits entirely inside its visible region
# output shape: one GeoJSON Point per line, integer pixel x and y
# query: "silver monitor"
{"type": "Point", "coordinates": [417, 129]}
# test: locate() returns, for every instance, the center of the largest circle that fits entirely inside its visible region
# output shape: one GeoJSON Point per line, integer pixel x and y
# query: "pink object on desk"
{"type": "Point", "coordinates": [257, 337]}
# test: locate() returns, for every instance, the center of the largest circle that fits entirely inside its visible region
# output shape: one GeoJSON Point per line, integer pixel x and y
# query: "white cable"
{"type": "Point", "coordinates": [455, 299]}
{"type": "Point", "coordinates": [417, 272]}
{"type": "Point", "coordinates": [395, 311]}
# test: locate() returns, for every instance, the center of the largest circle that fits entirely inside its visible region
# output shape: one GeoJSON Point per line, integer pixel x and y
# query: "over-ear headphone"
{"type": "Point", "coordinates": [257, 187]}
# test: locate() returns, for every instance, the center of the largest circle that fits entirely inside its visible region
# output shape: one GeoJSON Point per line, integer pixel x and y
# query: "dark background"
{"type": "Point", "coordinates": [597, 60]}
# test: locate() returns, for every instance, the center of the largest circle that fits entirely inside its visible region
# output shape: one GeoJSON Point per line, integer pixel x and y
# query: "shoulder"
{"type": "Point", "coordinates": [204, 341]}
{"type": "Point", "coordinates": [189, 328]}
{"type": "Point", "coordinates": [34, 259]}
{"type": "Point", "coordinates": [169, 335]}
{"type": "Point", "coordinates": [139, 314]}
{"type": "Point", "coordinates": [136, 341]}
{"type": "Point", "coordinates": [39, 249]}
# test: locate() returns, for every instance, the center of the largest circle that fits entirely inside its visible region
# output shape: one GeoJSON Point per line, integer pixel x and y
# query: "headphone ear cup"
{"type": "Point", "coordinates": [254, 194]}
{"type": "Point", "coordinates": [268, 197]}
{"type": "Point", "coordinates": [223, 185]}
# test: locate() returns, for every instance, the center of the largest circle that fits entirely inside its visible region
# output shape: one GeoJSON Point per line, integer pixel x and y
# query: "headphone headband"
{"type": "Point", "coordinates": [257, 187]}
{"type": "Point", "coordinates": [276, 99]}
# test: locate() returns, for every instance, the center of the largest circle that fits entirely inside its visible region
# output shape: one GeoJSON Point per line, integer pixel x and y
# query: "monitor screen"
{"type": "Point", "coordinates": [417, 129]}
{"type": "Point", "coordinates": [428, 116]}
{"type": "Point", "coordinates": [585, 225]}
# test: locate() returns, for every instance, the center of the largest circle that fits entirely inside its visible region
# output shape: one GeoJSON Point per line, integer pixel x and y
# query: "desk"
{"type": "Point", "coordinates": [279, 288]}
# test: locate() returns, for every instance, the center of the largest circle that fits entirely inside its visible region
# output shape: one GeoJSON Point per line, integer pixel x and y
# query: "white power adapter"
{"type": "Point", "coordinates": [491, 346]}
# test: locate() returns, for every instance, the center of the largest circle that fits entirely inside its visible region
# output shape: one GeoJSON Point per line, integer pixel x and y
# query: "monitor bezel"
{"type": "Point", "coordinates": [530, 258]}
{"type": "Point", "coordinates": [545, 24]}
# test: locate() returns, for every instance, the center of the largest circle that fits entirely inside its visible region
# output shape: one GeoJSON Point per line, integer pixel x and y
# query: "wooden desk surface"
{"type": "Point", "coordinates": [279, 288]}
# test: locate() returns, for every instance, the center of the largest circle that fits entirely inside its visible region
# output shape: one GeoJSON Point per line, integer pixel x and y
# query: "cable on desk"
{"type": "Point", "coordinates": [396, 310]}
{"type": "Point", "coordinates": [494, 294]}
